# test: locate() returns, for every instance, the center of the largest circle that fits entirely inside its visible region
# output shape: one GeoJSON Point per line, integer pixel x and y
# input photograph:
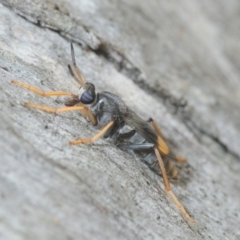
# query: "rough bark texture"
{"type": "Point", "coordinates": [176, 61]}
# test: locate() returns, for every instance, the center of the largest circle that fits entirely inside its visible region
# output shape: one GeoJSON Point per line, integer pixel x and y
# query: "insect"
{"type": "Point", "coordinates": [127, 130]}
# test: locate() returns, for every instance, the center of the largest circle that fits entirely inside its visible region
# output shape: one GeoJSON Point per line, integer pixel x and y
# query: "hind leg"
{"type": "Point", "coordinates": [168, 188]}
{"type": "Point", "coordinates": [158, 131]}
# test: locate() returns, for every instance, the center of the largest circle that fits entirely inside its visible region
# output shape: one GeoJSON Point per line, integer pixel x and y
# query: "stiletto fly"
{"type": "Point", "coordinates": [118, 122]}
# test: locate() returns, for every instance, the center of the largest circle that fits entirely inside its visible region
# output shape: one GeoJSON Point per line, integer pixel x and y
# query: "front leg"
{"type": "Point", "coordinates": [53, 110]}
{"type": "Point", "coordinates": [72, 104]}
{"type": "Point", "coordinates": [39, 91]}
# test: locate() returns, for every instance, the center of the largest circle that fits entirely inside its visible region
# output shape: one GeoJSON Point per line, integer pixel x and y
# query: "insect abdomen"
{"type": "Point", "coordinates": [149, 157]}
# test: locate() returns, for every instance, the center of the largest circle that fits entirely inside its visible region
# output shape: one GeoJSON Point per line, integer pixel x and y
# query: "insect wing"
{"type": "Point", "coordinates": [146, 131]}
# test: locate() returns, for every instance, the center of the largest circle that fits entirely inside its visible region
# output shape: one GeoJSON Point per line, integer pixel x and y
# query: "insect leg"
{"type": "Point", "coordinates": [40, 92]}
{"type": "Point", "coordinates": [54, 110]}
{"type": "Point", "coordinates": [162, 145]}
{"type": "Point", "coordinates": [180, 159]}
{"type": "Point", "coordinates": [85, 111]}
{"type": "Point", "coordinates": [158, 131]}
{"type": "Point", "coordinates": [168, 188]}
{"type": "Point", "coordinates": [155, 126]}
{"type": "Point", "coordinates": [95, 137]}
{"type": "Point", "coordinates": [91, 116]}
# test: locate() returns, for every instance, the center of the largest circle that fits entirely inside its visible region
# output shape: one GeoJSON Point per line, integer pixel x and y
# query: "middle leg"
{"type": "Point", "coordinates": [95, 137]}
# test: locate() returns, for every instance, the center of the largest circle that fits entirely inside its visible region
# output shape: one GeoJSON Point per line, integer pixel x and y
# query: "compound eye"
{"type": "Point", "coordinates": [89, 95]}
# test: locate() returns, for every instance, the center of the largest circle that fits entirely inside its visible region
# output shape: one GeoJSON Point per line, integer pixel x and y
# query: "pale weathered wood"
{"type": "Point", "coordinates": [157, 56]}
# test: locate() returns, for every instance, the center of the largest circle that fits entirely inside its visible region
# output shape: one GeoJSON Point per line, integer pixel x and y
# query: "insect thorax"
{"type": "Point", "coordinates": [108, 107]}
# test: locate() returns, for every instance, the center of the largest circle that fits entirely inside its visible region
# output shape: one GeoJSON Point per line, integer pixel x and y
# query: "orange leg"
{"type": "Point", "coordinates": [158, 131]}
{"type": "Point", "coordinates": [83, 113]}
{"type": "Point", "coordinates": [40, 92]}
{"type": "Point", "coordinates": [91, 117]}
{"type": "Point", "coordinates": [94, 138]}
{"type": "Point", "coordinates": [168, 188]}
{"type": "Point", "coordinates": [53, 110]}
{"type": "Point", "coordinates": [181, 159]}
{"type": "Point", "coordinates": [156, 127]}
{"type": "Point", "coordinates": [87, 113]}
{"type": "Point", "coordinates": [162, 145]}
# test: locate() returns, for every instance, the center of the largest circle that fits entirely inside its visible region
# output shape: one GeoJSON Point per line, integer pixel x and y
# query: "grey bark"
{"type": "Point", "coordinates": [177, 62]}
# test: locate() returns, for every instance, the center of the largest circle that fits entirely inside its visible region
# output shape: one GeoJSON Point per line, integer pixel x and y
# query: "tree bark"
{"type": "Point", "coordinates": [177, 62]}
